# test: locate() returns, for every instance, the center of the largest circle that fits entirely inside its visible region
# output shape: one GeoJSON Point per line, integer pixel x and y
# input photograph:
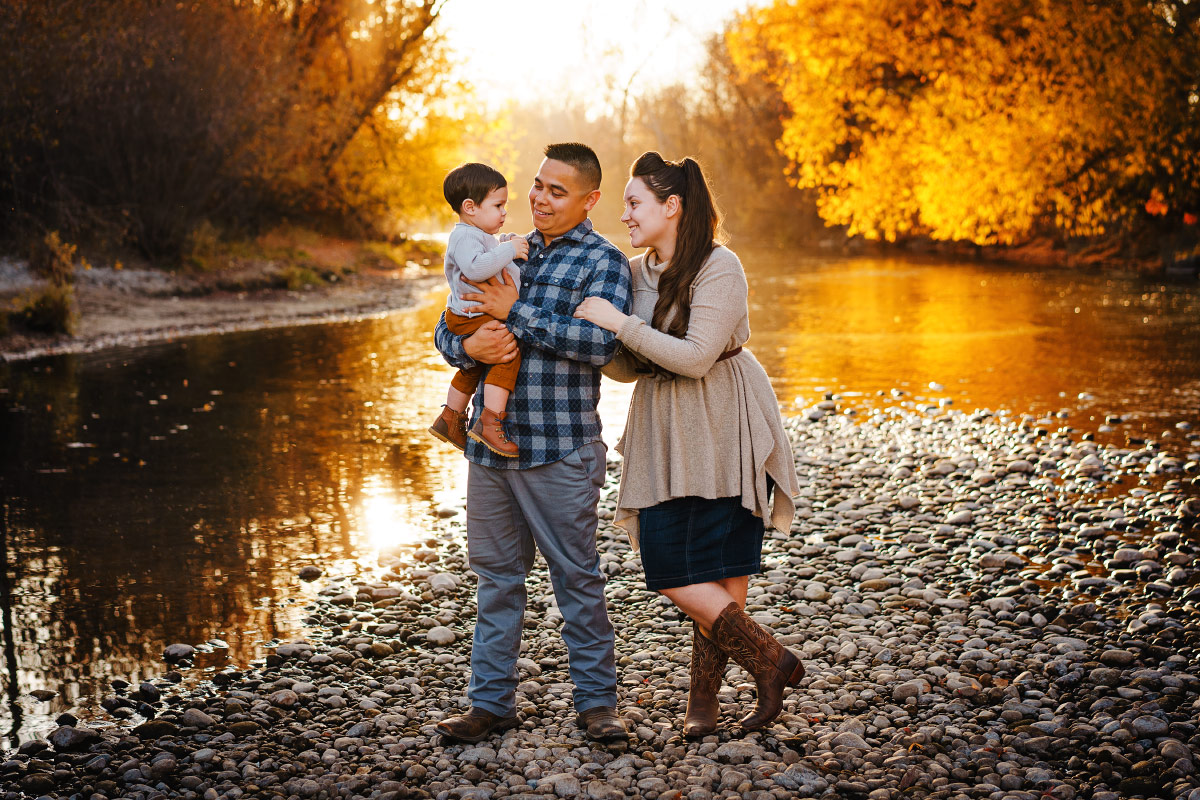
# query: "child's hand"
{"type": "Point", "coordinates": [521, 246]}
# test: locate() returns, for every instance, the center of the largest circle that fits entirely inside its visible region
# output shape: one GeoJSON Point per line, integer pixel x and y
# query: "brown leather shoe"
{"type": "Point", "coordinates": [451, 427]}
{"type": "Point", "coordinates": [602, 724]}
{"type": "Point", "coordinates": [475, 725]}
{"type": "Point", "coordinates": [489, 429]}
{"type": "Point", "coordinates": [773, 666]}
{"type": "Point", "coordinates": [707, 673]}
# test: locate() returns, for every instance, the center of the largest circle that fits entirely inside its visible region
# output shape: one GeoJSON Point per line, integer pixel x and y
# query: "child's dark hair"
{"type": "Point", "coordinates": [471, 181]}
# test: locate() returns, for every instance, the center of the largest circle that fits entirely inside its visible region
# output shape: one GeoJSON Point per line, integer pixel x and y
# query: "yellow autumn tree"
{"type": "Point", "coordinates": [982, 120]}
{"type": "Point", "coordinates": [363, 76]}
{"type": "Point", "coordinates": [391, 172]}
{"type": "Point", "coordinates": [703, 120]}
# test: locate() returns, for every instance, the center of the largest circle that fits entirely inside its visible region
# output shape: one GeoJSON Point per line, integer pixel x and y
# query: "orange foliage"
{"type": "Point", "coordinates": [986, 120]}
{"type": "Point", "coordinates": [1156, 206]}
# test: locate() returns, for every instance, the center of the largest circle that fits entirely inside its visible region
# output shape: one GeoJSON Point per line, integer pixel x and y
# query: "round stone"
{"type": "Point", "coordinates": [440, 636]}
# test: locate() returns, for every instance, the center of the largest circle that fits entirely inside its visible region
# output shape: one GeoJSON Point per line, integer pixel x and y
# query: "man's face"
{"type": "Point", "coordinates": [559, 199]}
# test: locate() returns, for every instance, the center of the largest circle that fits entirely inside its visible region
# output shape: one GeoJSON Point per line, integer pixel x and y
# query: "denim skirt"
{"type": "Point", "coordinates": [697, 540]}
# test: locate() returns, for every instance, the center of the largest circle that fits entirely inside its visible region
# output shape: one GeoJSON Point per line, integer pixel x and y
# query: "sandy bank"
{"type": "Point", "coordinates": [129, 307]}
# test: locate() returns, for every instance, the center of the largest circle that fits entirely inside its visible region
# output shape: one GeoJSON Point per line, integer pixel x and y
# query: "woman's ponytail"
{"type": "Point", "coordinates": [695, 238]}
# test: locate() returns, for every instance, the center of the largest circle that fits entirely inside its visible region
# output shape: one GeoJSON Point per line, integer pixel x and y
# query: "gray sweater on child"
{"type": "Point", "coordinates": [475, 255]}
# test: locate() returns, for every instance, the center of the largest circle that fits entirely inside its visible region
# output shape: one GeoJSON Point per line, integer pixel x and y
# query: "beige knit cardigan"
{"type": "Point", "coordinates": [713, 430]}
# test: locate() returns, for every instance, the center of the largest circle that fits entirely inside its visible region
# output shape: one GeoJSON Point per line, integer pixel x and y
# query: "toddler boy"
{"type": "Point", "coordinates": [479, 195]}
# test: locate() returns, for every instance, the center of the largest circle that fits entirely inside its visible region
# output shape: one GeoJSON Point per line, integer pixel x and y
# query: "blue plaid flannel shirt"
{"type": "Point", "coordinates": [553, 409]}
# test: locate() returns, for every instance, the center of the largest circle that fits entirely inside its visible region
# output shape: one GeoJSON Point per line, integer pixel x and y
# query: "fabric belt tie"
{"type": "Point", "coordinates": [722, 357]}
{"type": "Point", "coordinates": [729, 354]}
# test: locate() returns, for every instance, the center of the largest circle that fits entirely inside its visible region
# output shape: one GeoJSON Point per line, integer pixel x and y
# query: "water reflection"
{"type": "Point", "coordinates": [173, 493]}
{"type": "Point", "coordinates": [990, 336]}
{"type": "Point", "coordinates": [386, 521]}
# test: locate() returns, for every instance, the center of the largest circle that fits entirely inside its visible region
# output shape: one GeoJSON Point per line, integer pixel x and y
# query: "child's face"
{"type": "Point", "coordinates": [489, 215]}
{"type": "Point", "coordinates": [651, 223]}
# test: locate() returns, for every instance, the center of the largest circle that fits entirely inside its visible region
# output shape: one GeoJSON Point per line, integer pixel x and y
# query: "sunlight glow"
{"type": "Point", "coordinates": [589, 50]}
{"type": "Point", "coordinates": [386, 523]}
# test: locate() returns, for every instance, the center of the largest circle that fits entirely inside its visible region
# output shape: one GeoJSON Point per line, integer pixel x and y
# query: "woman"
{"type": "Point", "coordinates": [704, 447]}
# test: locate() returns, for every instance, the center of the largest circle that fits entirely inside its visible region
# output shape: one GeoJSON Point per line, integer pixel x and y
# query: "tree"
{"type": "Point", "coordinates": [729, 122]}
{"type": "Point", "coordinates": [139, 119]}
{"type": "Point", "coordinates": [983, 120]}
{"type": "Point", "coordinates": [359, 69]}
{"type": "Point", "coordinates": [726, 122]}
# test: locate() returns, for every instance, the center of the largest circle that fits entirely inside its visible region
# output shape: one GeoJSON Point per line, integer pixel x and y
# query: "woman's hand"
{"type": "Point", "coordinates": [599, 311]}
{"type": "Point", "coordinates": [495, 296]}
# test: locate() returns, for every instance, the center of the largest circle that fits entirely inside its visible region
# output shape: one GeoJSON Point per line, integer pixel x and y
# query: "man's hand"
{"type": "Point", "coordinates": [495, 296]}
{"type": "Point", "coordinates": [493, 343]}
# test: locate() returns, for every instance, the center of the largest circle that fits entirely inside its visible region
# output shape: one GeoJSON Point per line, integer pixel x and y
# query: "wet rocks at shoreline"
{"type": "Point", "coordinates": [986, 610]}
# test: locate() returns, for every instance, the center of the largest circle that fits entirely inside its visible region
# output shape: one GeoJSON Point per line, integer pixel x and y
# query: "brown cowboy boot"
{"type": "Point", "coordinates": [489, 429]}
{"type": "Point", "coordinates": [451, 427]}
{"type": "Point", "coordinates": [475, 725]}
{"type": "Point", "coordinates": [707, 673]}
{"type": "Point", "coordinates": [773, 666]}
{"type": "Point", "coordinates": [602, 724]}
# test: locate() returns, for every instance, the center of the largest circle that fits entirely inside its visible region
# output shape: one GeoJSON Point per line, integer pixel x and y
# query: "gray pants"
{"type": "Point", "coordinates": [552, 507]}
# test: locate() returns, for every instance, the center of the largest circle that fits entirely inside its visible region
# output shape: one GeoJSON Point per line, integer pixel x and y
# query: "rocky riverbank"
{"type": "Point", "coordinates": [987, 608]}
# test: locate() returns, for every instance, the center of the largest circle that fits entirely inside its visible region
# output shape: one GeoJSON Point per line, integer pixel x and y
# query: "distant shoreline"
{"type": "Point", "coordinates": [131, 307]}
{"type": "Point", "coordinates": [122, 308]}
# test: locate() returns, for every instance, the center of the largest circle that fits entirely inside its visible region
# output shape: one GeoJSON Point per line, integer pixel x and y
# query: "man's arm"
{"type": "Point", "coordinates": [493, 343]}
{"type": "Point", "coordinates": [568, 337]}
{"type": "Point", "coordinates": [451, 346]}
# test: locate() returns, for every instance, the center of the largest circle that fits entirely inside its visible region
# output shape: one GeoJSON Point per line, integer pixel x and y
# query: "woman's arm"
{"type": "Point", "coordinates": [719, 305]}
{"type": "Point", "coordinates": [625, 367]}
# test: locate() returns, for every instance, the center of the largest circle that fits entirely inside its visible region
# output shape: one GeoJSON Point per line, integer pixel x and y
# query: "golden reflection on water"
{"type": "Point", "coordinates": [868, 328]}
{"type": "Point", "coordinates": [207, 474]}
{"type": "Point", "coordinates": [988, 336]}
{"type": "Point", "coordinates": [386, 525]}
{"type": "Point", "coordinates": [172, 493]}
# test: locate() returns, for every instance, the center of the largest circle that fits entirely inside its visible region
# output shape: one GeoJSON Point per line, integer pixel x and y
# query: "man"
{"type": "Point", "coordinates": [547, 496]}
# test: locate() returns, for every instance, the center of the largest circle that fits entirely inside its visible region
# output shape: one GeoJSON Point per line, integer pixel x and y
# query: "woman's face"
{"type": "Point", "coordinates": [651, 223]}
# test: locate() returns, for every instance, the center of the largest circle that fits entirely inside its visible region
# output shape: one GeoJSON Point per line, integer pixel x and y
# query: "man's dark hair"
{"type": "Point", "coordinates": [579, 156]}
{"type": "Point", "coordinates": [471, 182]}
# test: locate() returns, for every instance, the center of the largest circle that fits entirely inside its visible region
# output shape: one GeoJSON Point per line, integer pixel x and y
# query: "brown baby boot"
{"type": "Point", "coordinates": [489, 429]}
{"type": "Point", "coordinates": [451, 427]}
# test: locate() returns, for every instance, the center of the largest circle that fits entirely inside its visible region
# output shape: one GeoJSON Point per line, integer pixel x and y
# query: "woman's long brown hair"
{"type": "Point", "coordinates": [697, 235]}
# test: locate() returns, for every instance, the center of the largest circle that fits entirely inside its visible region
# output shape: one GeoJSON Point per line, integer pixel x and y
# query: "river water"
{"type": "Point", "coordinates": [171, 493]}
